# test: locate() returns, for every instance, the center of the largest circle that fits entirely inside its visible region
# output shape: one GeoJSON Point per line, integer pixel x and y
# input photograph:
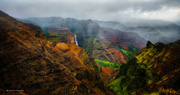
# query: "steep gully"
{"type": "Point", "coordinates": [110, 75]}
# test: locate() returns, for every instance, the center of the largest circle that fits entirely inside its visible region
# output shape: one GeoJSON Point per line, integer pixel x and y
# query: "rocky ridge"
{"type": "Point", "coordinates": [154, 70]}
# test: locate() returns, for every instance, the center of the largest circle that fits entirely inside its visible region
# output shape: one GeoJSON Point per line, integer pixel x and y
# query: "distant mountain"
{"type": "Point", "coordinates": [178, 22]}
{"type": "Point", "coordinates": [113, 24]}
{"type": "Point", "coordinates": [148, 33]}
{"type": "Point", "coordinates": [146, 22]}
{"type": "Point", "coordinates": [29, 64]}
{"type": "Point", "coordinates": [102, 43]}
{"type": "Point", "coordinates": [154, 70]}
{"type": "Point", "coordinates": [154, 31]}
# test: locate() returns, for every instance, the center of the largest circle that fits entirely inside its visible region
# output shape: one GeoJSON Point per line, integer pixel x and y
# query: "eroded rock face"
{"type": "Point", "coordinates": [31, 63]}
{"type": "Point", "coordinates": [60, 34]}
{"type": "Point", "coordinates": [154, 70]}
{"type": "Point", "coordinates": [164, 65]}
{"type": "Point", "coordinates": [116, 46]}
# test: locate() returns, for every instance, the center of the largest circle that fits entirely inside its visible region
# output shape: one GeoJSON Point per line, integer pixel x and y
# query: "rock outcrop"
{"type": "Point", "coordinates": [155, 70]}
{"type": "Point", "coordinates": [60, 34]}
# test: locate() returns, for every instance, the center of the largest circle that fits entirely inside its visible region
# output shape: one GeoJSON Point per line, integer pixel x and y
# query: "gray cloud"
{"type": "Point", "coordinates": [94, 9]}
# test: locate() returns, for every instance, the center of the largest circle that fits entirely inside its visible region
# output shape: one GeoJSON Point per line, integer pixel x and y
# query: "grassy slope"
{"type": "Point", "coordinates": [108, 64]}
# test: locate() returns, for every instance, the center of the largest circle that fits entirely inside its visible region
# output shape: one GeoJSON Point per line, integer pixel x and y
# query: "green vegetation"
{"type": "Point", "coordinates": [130, 78]}
{"type": "Point", "coordinates": [108, 64]}
{"type": "Point", "coordinates": [99, 46]}
{"type": "Point", "coordinates": [95, 39]}
{"type": "Point", "coordinates": [131, 52]}
{"type": "Point", "coordinates": [176, 43]}
{"type": "Point", "coordinates": [96, 42]}
{"type": "Point", "coordinates": [47, 34]}
{"type": "Point", "coordinates": [88, 44]}
{"type": "Point", "coordinates": [148, 72]}
{"type": "Point", "coordinates": [128, 53]}
{"type": "Point", "coordinates": [54, 40]}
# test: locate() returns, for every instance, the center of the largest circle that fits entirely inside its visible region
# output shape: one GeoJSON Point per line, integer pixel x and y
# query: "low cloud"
{"type": "Point", "coordinates": [118, 10]}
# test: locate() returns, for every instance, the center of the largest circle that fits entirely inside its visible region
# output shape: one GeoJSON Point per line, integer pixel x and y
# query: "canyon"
{"type": "Point", "coordinates": [57, 56]}
{"type": "Point", "coordinates": [102, 43]}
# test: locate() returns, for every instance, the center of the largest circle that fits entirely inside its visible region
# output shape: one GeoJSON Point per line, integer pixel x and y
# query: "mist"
{"type": "Point", "coordinates": [154, 20]}
{"type": "Point", "coordinates": [128, 12]}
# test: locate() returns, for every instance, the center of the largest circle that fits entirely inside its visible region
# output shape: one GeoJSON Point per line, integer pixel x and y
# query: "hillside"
{"type": "Point", "coordinates": [176, 43]}
{"type": "Point", "coordinates": [33, 65]}
{"type": "Point", "coordinates": [154, 70]}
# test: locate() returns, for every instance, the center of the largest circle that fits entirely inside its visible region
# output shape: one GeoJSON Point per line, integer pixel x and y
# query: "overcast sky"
{"type": "Point", "coordinates": [119, 10]}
